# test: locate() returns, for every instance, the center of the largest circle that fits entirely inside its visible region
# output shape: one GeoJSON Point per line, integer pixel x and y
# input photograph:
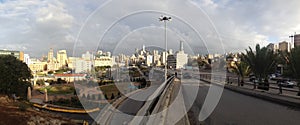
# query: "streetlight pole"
{"type": "Point", "coordinates": [165, 19]}
{"type": "Point", "coordinates": [292, 43]}
{"type": "Point", "coordinates": [291, 36]}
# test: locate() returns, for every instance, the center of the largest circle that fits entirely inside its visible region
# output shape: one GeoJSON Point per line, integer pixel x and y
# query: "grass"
{"type": "Point", "coordinates": [58, 89]}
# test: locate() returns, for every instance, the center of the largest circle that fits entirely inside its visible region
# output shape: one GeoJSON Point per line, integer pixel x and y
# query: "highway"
{"type": "Point", "coordinates": [131, 106]}
{"type": "Point", "coordinates": [232, 109]}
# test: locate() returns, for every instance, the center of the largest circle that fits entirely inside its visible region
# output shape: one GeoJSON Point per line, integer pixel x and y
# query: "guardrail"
{"type": "Point", "coordinates": [149, 106]}
{"type": "Point", "coordinates": [106, 115]}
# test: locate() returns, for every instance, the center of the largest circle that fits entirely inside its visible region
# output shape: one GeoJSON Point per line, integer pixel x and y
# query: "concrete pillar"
{"type": "Point", "coordinates": [46, 95]}
{"type": "Point", "coordinates": [28, 93]}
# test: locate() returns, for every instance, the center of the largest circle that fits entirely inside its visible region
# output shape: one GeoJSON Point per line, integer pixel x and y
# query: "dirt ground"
{"type": "Point", "coordinates": [11, 114]}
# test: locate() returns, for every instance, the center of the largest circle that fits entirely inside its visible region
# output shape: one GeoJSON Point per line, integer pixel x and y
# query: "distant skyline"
{"type": "Point", "coordinates": [34, 26]}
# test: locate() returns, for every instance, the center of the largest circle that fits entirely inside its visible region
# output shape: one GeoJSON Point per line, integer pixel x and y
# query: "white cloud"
{"type": "Point", "coordinates": [55, 23]}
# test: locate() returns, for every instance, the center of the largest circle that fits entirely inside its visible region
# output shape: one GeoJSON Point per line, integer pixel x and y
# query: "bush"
{"type": "Point", "coordinates": [23, 106]}
{"type": "Point", "coordinates": [88, 97]}
{"type": "Point", "coordinates": [40, 82]}
{"type": "Point", "coordinates": [112, 96]}
{"type": "Point", "coordinates": [50, 72]}
{"type": "Point", "coordinates": [93, 97]}
{"type": "Point", "coordinates": [105, 96]}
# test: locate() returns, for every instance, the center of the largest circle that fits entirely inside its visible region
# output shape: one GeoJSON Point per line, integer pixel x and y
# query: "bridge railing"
{"type": "Point", "coordinates": [150, 106]}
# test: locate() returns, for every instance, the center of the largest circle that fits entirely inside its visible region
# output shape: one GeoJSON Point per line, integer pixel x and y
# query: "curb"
{"type": "Point", "coordinates": [79, 111]}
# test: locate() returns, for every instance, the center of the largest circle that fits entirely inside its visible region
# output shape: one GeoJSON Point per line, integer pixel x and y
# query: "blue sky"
{"type": "Point", "coordinates": [33, 26]}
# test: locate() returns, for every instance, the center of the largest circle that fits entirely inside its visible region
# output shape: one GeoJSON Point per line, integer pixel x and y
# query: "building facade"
{"type": "Point", "coordinates": [83, 66]}
{"type": "Point", "coordinates": [37, 65]}
{"type": "Point", "coordinates": [283, 46]}
{"type": "Point", "coordinates": [62, 58]}
{"type": "Point", "coordinates": [18, 54]}
{"type": "Point", "coordinates": [103, 61]}
{"type": "Point", "coordinates": [181, 57]}
{"type": "Point", "coordinates": [297, 40]}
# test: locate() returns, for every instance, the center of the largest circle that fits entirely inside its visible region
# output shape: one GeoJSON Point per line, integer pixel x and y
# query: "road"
{"type": "Point", "coordinates": [232, 109]}
{"type": "Point", "coordinates": [130, 107]}
{"type": "Point", "coordinates": [238, 109]}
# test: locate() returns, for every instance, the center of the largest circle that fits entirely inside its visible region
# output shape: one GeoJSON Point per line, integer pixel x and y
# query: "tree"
{"type": "Point", "coordinates": [14, 76]}
{"type": "Point", "coordinates": [242, 69]}
{"type": "Point", "coordinates": [261, 62]}
{"type": "Point", "coordinates": [293, 60]}
{"type": "Point", "coordinates": [105, 96]}
{"type": "Point", "coordinates": [112, 96]}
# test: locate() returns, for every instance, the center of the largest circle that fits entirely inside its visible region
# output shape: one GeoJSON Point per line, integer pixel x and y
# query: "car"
{"type": "Point", "coordinates": [286, 83]}
{"type": "Point", "coordinates": [272, 76]}
{"type": "Point", "coordinates": [187, 76]}
{"type": "Point", "coordinates": [252, 78]}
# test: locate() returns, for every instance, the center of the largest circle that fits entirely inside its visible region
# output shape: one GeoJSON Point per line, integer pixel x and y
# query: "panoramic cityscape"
{"type": "Point", "coordinates": [195, 62]}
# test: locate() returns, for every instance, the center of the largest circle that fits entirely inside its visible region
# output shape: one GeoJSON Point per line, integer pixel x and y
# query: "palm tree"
{"type": "Point", "coordinates": [242, 69]}
{"type": "Point", "coordinates": [261, 62]}
{"type": "Point", "coordinates": [293, 63]}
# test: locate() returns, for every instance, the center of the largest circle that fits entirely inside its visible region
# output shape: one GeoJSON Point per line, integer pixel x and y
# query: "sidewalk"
{"type": "Point", "coordinates": [266, 95]}
{"type": "Point", "coordinates": [287, 98]}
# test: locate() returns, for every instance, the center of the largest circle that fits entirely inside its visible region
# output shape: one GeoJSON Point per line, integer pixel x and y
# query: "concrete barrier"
{"type": "Point", "coordinates": [56, 109]}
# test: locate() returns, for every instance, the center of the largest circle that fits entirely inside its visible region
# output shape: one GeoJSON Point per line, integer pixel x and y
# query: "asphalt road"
{"type": "Point", "coordinates": [232, 109]}
{"type": "Point", "coordinates": [130, 107]}
{"type": "Point", "coordinates": [238, 109]}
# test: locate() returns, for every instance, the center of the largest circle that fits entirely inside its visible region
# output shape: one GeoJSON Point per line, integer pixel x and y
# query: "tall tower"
{"type": "Point", "coordinates": [143, 48]}
{"type": "Point", "coordinates": [296, 40]}
{"type": "Point", "coordinates": [50, 55]}
{"type": "Point", "coordinates": [62, 57]}
{"type": "Point", "coordinates": [181, 45]}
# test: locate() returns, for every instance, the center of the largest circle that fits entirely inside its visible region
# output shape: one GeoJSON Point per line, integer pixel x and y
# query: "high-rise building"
{"type": "Point", "coordinates": [87, 56]}
{"type": "Point", "coordinates": [18, 54]}
{"type": "Point", "coordinates": [156, 58]}
{"type": "Point", "coordinates": [62, 58]}
{"type": "Point", "coordinates": [163, 58]}
{"type": "Point", "coordinates": [171, 61]}
{"type": "Point", "coordinates": [181, 57]}
{"type": "Point", "coordinates": [83, 66]}
{"type": "Point", "coordinates": [149, 60]}
{"type": "Point", "coordinates": [27, 59]}
{"type": "Point", "coordinates": [72, 62]}
{"type": "Point", "coordinates": [297, 40]}
{"type": "Point", "coordinates": [50, 56]}
{"type": "Point", "coordinates": [181, 46]}
{"type": "Point", "coordinates": [284, 46]}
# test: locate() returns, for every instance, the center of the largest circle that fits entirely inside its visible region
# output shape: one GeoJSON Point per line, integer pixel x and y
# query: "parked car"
{"type": "Point", "coordinates": [252, 78]}
{"type": "Point", "coordinates": [187, 76]}
{"type": "Point", "coordinates": [286, 83]}
{"type": "Point", "coordinates": [272, 76]}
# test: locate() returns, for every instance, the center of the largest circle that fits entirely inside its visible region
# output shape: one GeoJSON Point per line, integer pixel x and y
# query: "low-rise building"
{"type": "Point", "coordinates": [103, 61]}
{"type": "Point", "coordinates": [70, 77]}
{"type": "Point", "coordinates": [37, 65]}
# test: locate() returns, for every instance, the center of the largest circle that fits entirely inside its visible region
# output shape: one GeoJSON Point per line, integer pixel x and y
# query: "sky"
{"type": "Point", "coordinates": [35, 26]}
